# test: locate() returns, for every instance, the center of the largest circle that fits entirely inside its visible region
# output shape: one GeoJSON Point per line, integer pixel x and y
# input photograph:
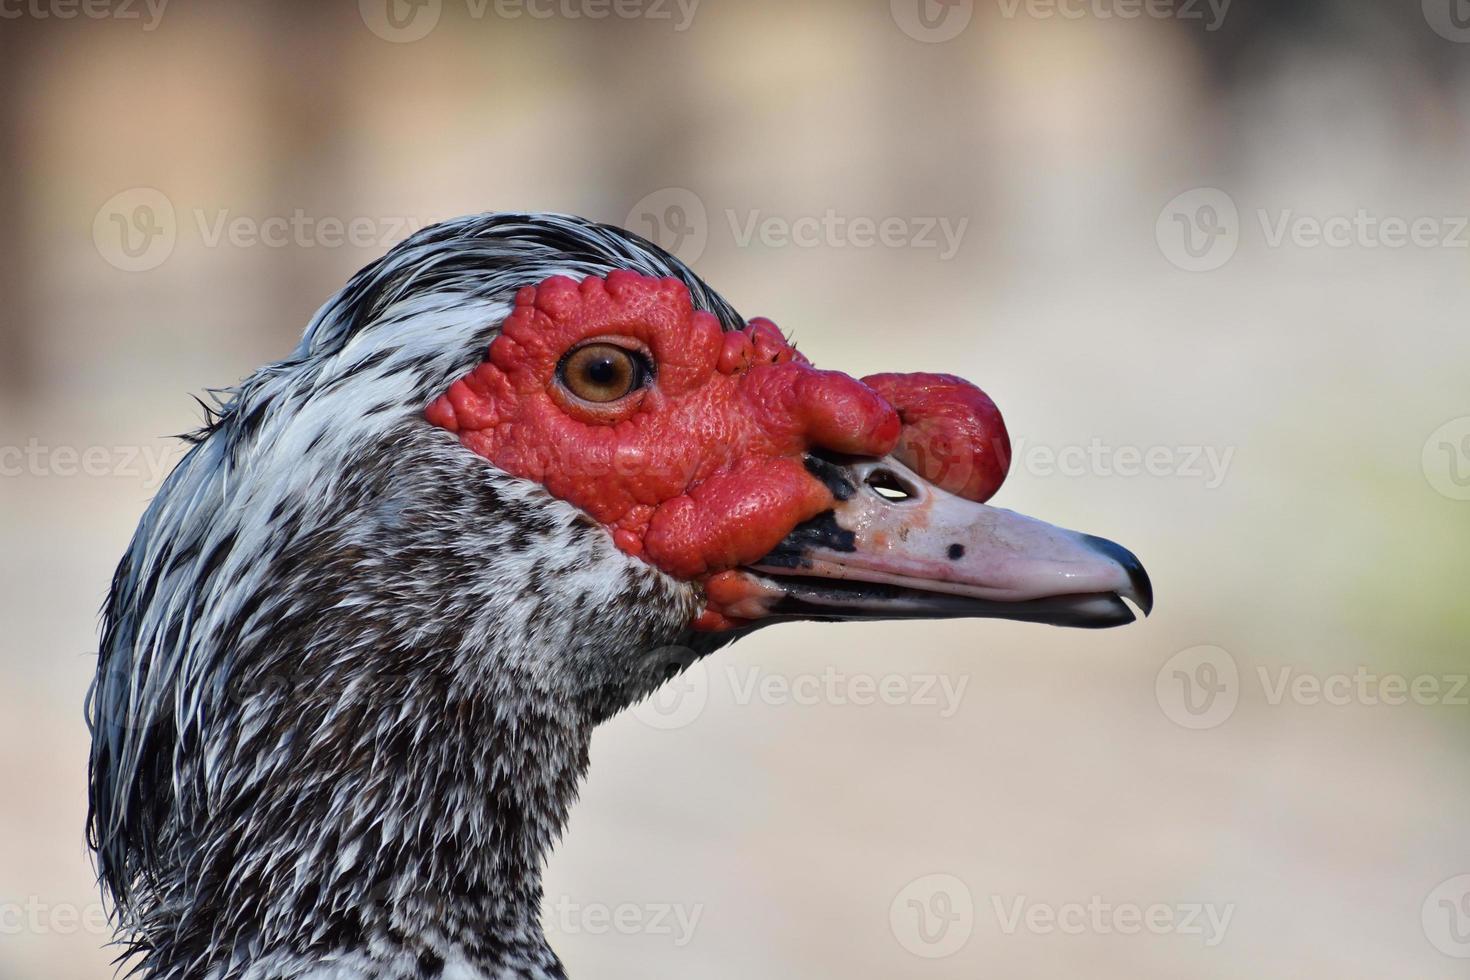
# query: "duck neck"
{"type": "Point", "coordinates": [423, 850]}
{"type": "Point", "coordinates": [387, 712]}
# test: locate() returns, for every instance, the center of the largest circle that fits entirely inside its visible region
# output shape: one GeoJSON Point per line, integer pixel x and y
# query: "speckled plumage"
{"type": "Point", "coordinates": [348, 671]}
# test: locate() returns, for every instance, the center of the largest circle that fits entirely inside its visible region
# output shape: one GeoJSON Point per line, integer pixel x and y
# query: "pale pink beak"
{"type": "Point", "coordinates": [896, 546]}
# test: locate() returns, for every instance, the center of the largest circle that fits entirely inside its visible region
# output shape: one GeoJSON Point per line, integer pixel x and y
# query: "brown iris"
{"type": "Point", "coordinates": [602, 372]}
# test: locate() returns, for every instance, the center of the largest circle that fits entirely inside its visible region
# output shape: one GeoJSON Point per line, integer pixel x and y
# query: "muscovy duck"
{"type": "Point", "coordinates": [353, 656]}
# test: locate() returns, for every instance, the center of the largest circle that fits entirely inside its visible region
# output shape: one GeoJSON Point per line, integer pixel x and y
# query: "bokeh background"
{"type": "Point", "coordinates": [1210, 259]}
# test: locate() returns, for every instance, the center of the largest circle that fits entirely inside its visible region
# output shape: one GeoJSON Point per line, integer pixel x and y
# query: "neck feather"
{"type": "Point", "coordinates": [380, 724]}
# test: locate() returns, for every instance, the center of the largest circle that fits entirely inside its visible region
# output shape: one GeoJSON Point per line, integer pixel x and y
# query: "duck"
{"type": "Point", "coordinates": [519, 472]}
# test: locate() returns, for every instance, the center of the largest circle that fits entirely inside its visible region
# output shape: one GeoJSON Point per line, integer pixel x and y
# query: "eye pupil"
{"type": "Point", "coordinates": [602, 372]}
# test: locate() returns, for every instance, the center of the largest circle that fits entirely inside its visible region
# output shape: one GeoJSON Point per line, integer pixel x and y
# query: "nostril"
{"type": "Point", "coordinates": [890, 486]}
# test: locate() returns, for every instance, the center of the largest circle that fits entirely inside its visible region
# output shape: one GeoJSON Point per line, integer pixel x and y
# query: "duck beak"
{"type": "Point", "coordinates": [895, 546]}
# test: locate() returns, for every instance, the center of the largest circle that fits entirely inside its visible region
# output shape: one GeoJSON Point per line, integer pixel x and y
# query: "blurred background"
{"type": "Point", "coordinates": [1211, 260]}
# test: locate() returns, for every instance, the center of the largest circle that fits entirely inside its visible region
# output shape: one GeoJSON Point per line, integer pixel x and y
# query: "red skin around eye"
{"type": "Point", "coordinates": [701, 471]}
{"type": "Point", "coordinates": [697, 473]}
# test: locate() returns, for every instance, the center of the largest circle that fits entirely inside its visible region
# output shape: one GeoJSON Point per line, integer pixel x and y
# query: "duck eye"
{"type": "Point", "coordinates": [602, 372]}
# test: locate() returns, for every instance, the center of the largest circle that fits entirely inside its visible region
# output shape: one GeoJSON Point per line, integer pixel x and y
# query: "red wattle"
{"type": "Point", "coordinates": [953, 435]}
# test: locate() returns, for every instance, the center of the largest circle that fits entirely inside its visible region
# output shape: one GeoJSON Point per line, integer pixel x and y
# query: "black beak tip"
{"type": "Point", "coordinates": [1143, 588]}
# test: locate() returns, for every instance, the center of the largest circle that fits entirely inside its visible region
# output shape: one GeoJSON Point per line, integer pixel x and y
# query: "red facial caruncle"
{"type": "Point", "coordinates": [698, 471]}
{"type": "Point", "coordinates": [953, 435]}
{"type": "Point", "coordinates": [690, 443]}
